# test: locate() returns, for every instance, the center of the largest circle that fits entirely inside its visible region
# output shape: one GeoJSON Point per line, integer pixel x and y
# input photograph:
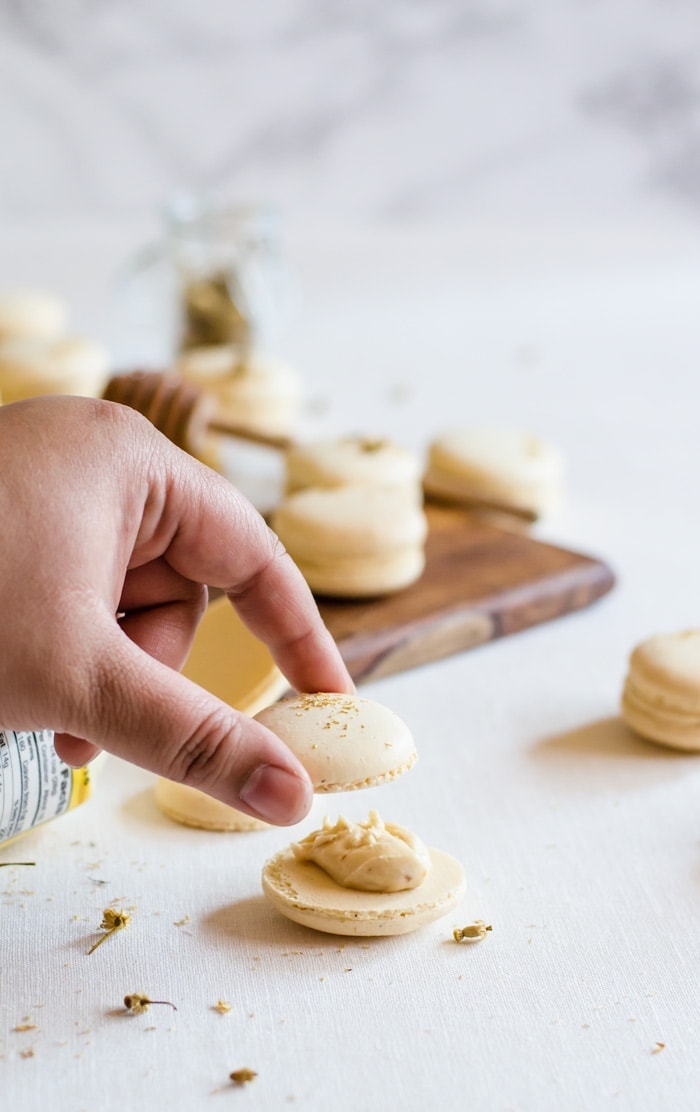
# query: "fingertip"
{"type": "Point", "coordinates": [277, 795]}
{"type": "Point", "coordinates": [74, 751]}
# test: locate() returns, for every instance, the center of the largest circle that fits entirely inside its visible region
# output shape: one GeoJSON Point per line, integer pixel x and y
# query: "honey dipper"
{"type": "Point", "coordinates": [179, 410]}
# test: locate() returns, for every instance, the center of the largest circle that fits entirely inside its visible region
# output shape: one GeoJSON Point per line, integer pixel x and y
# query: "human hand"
{"type": "Point", "coordinates": [109, 535]}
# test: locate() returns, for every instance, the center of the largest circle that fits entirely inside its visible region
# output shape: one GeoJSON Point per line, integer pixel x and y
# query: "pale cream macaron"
{"type": "Point", "coordinates": [260, 394]}
{"type": "Point", "coordinates": [354, 459]}
{"type": "Point", "coordinates": [26, 313]}
{"type": "Point", "coordinates": [661, 695]}
{"type": "Point", "coordinates": [499, 465]}
{"type": "Point", "coordinates": [30, 366]}
{"type": "Point", "coordinates": [307, 895]}
{"type": "Point", "coordinates": [354, 541]}
{"type": "Point", "coordinates": [232, 664]}
{"type": "Point", "coordinates": [344, 742]}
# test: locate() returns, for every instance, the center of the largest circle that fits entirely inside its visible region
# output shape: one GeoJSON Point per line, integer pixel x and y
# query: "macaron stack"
{"type": "Point", "coordinates": [37, 356]}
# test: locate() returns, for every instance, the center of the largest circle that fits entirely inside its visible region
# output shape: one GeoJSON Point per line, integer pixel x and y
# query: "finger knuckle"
{"type": "Point", "coordinates": [277, 549]}
{"type": "Point", "coordinates": [209, 752]}
{"type": "Point", "coordinates": [102, 697]}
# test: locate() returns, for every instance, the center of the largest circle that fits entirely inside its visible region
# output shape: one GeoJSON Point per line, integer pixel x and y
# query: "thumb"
{"type": "Point", "coordinates": [150, 715]}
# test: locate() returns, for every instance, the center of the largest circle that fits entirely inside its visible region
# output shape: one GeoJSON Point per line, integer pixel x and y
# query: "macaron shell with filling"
{"type": "Point", "coordinates": [306, 894]}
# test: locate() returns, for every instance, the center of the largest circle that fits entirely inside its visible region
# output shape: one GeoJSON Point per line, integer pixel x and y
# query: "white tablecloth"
{"type": "Point", "coordinates": [581, 844]}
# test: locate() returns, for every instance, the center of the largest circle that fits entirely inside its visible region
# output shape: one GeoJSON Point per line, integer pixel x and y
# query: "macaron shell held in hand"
{"type": "Point", "coordinates": [661, 696]}
{"type": "Point", "coordinates": [306, 894]}
{"type": "Point", "coordinates": [344, 742]}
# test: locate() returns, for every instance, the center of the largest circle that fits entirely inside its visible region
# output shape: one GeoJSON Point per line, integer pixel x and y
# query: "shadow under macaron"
{"type": "Point", "coordinates": [253, 920]}
{"type": "Point", "coordinates": [607, 748]}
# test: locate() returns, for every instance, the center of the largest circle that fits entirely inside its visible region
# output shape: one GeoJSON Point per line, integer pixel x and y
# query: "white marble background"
{"type": "Point", "coordinates": [481, 111]}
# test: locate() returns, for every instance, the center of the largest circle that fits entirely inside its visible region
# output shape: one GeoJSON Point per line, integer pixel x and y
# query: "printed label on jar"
{"type": "Point", "coordinates": [35, 785]}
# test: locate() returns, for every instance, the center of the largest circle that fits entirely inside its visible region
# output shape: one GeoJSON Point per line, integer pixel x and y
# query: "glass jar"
{"type": "Point", "coordinates": [218, 276]}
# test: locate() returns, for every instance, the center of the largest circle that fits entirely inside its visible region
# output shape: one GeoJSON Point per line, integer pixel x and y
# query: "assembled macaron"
{"type": "Point", "coordinates": [661, 696]}
{"type": "Point", "coordinates": [354, 541]}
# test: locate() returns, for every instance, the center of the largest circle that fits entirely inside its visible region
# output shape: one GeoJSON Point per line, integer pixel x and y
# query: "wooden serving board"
{"type": "Point", "coordinates": [480, 582]}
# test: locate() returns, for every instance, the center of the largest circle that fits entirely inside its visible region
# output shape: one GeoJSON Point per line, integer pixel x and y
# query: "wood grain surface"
{"type": "Point", "coordinates": [480, 582]}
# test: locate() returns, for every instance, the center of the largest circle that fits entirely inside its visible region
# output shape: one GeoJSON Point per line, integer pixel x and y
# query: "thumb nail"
{"type": "Point", "coordinates": [276, 795]}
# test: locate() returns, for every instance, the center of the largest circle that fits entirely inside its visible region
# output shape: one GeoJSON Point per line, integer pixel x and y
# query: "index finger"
{"type": "Point", "coordinates": [217, 537]}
